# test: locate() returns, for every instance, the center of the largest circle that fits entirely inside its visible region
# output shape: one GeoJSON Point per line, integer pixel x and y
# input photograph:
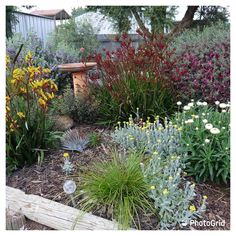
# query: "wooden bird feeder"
{"type": "Point", "coordinates": [78, 71]}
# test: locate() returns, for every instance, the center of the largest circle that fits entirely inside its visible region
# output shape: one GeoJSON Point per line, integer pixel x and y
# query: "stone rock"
{"type": "Point", "coordinates": [62, 122]}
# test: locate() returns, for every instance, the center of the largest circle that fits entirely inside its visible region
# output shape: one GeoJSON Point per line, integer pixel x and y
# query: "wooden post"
{"type": "Point", "coordinates": [14, 220]}
{"type": "Point", "coordinates": [53, 214]}
{"type": "Point", "coordinates": [79, 82]}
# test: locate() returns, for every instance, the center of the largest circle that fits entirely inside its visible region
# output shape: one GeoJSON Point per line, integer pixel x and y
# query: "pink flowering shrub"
{"type": "Point", "coordinates": [203, 70]}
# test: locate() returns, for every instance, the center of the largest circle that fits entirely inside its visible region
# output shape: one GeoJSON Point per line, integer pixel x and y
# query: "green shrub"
{"type": "Point", "coordinates": [118, 185]}
{"type": "Point", "coordinates": [205, 137]}
{"type": "Point", "coordinates": [82, 110]}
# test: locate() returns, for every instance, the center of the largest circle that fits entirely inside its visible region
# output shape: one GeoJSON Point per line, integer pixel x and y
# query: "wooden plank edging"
{"type": "Point", "coordinates": [54, 214]}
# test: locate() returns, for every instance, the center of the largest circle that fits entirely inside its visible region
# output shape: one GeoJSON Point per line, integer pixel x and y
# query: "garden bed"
{"type": "Point", "coordinates": [47, 181]}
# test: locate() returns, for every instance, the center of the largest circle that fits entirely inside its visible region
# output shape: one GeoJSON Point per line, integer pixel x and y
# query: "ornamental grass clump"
{"type": "Point", "coordinates": [205, 137]}
{"type": "Point", "coordinates": [119, 186]}
{"type": "Point", "coordinates": [29, 92]}
{"type": "Point", "coordinates": [172, 195]}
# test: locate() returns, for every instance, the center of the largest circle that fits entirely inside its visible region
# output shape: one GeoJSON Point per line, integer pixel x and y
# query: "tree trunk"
{"type": "Point", "coordinates": [185, 22]}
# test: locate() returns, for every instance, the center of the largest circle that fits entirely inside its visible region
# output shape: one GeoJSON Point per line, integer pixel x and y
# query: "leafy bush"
{"type": "Point", "coordinates": [57, 50]}
{"type": "Point", "coordinates": [205, 137]}
{"type": "Point", "coordinates": [172, 195]}
{"type": "Point", "coordinates": [81, 35]}
{"type": "Point", "coordinates": [132, 78]}
{"type": "Point", "coordinates": [28, 127]}
{"type": "Point", "coordinates": [203, 68]}
{"type": "Point", "coordinates": [119, 186]}
{"type": "Point", "coordinates": [82, 110]}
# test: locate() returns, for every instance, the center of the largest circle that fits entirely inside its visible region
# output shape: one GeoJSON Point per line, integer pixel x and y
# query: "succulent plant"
{"type": "Point", "coordinates": [71, 140]}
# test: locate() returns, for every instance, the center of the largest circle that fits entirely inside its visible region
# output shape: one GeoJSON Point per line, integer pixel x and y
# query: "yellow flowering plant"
{"type": "Point", "coordinates": [29, 92]}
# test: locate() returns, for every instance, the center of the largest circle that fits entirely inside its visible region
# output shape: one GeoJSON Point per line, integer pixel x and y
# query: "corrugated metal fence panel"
{"type": "Point", "coordinates": [29, 23]}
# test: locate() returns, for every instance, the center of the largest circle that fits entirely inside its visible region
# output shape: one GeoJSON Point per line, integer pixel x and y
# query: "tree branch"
{"type": "Point", "coordinates": [185, 22]}
{"type": "Point", "coordinates": [141, 24]}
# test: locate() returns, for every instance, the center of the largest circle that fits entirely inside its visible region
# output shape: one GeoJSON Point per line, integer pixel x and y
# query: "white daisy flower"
{"type": "Point", "coordinates": [186, 108]}
{"type": "Point", "coordinates": [191, 104]}
{"type": "Point", "coordinates": [209, 126]}
{"type": "Point", "coordinates": [217, 103]}
{"type": "Point", "coordinates": [207, 140]}
{"type": "Point", "coordinates": [205, 121]}
{"type": "Point", "coordinates": [179, 103]}
{"type": "Point", "coordinates": [199, 103]}
{"type": "Point", "coordinates": [223, 111]}
{"type": "Point", "coordinates": [223, 105]}
{"type": "Point", "coordinates": [204, 103]}
{"type": "Point", "coordinates": [214, 130]}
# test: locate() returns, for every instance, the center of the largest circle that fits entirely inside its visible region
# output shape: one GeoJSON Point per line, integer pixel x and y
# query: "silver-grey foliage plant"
{"type": "Point", "coordinates": [71, 140]}
{"type": "Point", "coordinates": [172, 195]}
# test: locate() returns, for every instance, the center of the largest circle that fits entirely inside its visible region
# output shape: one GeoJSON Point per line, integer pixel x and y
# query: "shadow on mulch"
{"type": "Point", "coordinates": [47, 181]}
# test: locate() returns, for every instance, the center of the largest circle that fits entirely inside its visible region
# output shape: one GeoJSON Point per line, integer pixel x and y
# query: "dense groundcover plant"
{"type": "Point", "coordinates": [28, 128]}
{"type": "Point", "coordinates": [205, 136]}
{"type": "Point", "coordinates": [203, 68]}
{"type": "Point", "coordinates": [132, 78]}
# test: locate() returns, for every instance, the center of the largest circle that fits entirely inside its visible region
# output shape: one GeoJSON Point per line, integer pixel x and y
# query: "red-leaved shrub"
{"type": "Point", "coordinates": [203, 68]}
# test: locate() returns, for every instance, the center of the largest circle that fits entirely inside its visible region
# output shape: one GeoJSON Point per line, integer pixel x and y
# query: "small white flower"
{"type": "Point", "coordinates": [217, 103]}
{"type": "Point", "coordinates": [196, 116]}
{"type": "Point", "coordinates": [192, 100]}
{"type": "Point", "coordinates": [223, 105]}
{"type": "Point", "coordinates": [209, 126]}
{"type": "Point", "coordinates": [199, 103]}
{"type": "Point", "coordinates": [190, 121]}
{"type": "Point", "coordinates": [223, 127]}
{"type": "Point", "coordinates": [205, 121]}
{"type": "Point", "coordinates": [186, 108]}
{"type": "Point", "coordinates": [214, 130]}
{"type": "Point", "coordinates": [203, 114]}
{"type": "Point", "coordinates": [204, 103]}
{"type": "Point", "coordinates": [187, 144]}
{"type": "Point", "coordinates": [179, 103]}
{"type": "Point", "coordinates": [223, 111]}
{"type": "Point", "coordinates": [191, 104]}
{"type": "Point", "coordinates": [196, 128]}
{"type": "Point", "coordinates": [207, 140]}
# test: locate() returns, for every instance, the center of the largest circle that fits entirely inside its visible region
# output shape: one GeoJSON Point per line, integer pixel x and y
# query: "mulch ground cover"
{"type": "Point", "coordinates": [47, 181]}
